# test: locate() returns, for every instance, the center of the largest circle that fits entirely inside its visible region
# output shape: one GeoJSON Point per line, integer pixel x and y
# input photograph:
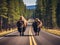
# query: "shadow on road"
{"type": "Point", "coordinates": [18, 35]}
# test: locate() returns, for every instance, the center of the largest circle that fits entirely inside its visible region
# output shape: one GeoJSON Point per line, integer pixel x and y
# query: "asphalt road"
{"type": "Point", "coordinates": [29, 38]}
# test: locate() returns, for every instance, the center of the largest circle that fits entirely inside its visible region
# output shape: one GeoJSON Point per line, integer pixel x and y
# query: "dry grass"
{"type": "Point", "coordinates": [6, 32]}
{"type": "Point", "coordinates": [53, 31]}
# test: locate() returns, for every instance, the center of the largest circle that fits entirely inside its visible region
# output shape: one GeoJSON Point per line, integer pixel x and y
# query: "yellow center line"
{"type": "Point", "coordinates": [32, 40]}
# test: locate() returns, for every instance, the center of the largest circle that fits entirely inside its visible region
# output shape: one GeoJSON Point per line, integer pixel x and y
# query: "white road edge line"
{"type": "Point", "coordinates": [7, 34]}
{"type": "Point", "coordinates": [51, 34]}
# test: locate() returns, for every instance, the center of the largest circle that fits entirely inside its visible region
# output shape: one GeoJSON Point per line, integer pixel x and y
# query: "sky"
{"type": "Point", "coordinates": [29, 2]}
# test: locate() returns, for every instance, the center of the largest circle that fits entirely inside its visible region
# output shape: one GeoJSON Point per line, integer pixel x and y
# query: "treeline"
{"type": "Point", "coordinates": [10, 11]}
{"type": "Point", "coordinates": [49, 12]}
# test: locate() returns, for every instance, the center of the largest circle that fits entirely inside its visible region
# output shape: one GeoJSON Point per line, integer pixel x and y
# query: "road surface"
{"type": "Point", "coordinates": [29, 38]}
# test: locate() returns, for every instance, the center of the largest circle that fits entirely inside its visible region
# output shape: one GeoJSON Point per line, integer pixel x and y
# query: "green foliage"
{"type": "Point", "coordinates": [10, 11]}
{"type": "Point", "coordinates": [46, 11]}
